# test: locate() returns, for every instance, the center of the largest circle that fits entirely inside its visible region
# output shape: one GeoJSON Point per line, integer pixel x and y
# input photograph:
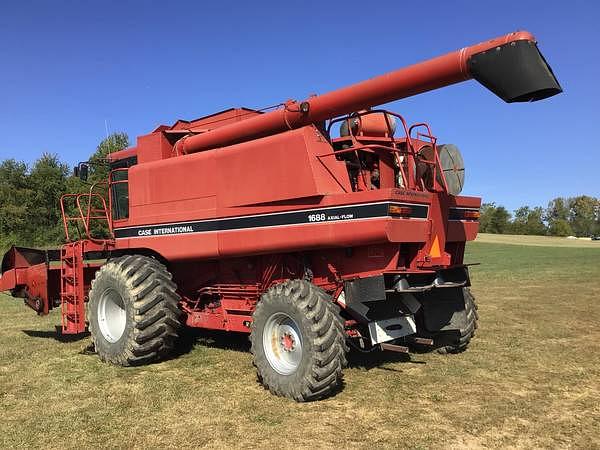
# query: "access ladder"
{"type": "Point", "coordinates": [72, 288]}
{"type": "Point", "coordinates": [73, 285]}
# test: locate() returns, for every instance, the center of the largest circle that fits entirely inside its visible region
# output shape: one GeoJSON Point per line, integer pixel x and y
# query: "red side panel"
{"type": "Point", "coordinates": [32, 284]}
{"type": "Point", "coordinates": [36, 280]}
{"type": "Point", "coordinates": [293, 165]}
{"type": "Point", "coordinates": [155, 147]}
{"type": "Point", "coordinates": [286, 166]}
{"type": "Point", "coordinates": [173, 189]}
{"type": "Point", "coordinates": [463, 230]}
{"type": "Point", "coordinates": [254, 241]}
{"type": "Point", "coordinates": [122, 154]}
{"type": "Point", "coordinates": [8, 280]}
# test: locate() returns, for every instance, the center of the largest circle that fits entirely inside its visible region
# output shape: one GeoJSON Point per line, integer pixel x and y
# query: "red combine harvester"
{"type": "Point", "coordinates": [268, 224]}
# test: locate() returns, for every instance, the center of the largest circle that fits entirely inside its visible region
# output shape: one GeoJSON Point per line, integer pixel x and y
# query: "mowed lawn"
{"type": "Point", "coordinates": [530, 379]}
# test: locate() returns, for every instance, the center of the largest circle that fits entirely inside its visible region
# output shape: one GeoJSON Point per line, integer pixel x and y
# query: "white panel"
{"type": "Point", "coordinates": [389, 329]}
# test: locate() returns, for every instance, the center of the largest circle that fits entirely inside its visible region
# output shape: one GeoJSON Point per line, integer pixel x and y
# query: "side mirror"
{"type": "Point", "coordinates": [81, 171]}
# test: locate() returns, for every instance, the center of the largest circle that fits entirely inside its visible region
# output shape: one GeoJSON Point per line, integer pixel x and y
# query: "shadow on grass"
{"type": "Point", "coordinates": [376, 360]}
{"type": "Point", "coordinates": [240, 342]}
{"type": "Point", "coordinates": [223, 340]}
{"type": "Point", "coordinates": [190, 337]}
{"type": "Point", "coordinates": [57, 335]}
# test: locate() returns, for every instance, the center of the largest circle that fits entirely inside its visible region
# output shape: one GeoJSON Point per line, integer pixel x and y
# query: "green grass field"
{"type": "Point", "coordinates": [530, 379]}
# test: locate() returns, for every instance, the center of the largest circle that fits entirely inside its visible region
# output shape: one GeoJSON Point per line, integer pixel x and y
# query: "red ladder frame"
{"type": "Point", "coordinates": [73, 288]}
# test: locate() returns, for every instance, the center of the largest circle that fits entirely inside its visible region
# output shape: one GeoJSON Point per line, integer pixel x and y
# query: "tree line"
{"type": "Point", "coordinates": [573, 216]}
{"type": "Point", "coordinates": [30, 215]}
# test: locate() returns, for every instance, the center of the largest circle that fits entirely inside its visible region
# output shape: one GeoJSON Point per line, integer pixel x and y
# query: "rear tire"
{"type": "Point", "coordinates": [445, 342]}
{"type": "Point", "coordinates": [298, 341]}
{"type": "Point", "coordinates": [133, 311]}
{"type": "Point", "coordinates": [460, 343]}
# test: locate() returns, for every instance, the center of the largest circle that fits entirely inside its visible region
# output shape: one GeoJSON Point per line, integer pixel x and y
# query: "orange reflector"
{"type": "Point", "coordinates": [472, 215]}
{"type": "Point", "coordinates": [435, 248]}
{"type": "Point", "coordinates": [395, 210]}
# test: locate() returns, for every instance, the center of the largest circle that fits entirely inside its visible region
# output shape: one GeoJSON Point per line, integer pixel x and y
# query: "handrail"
{"type": "Point", "coordinates": [86, 213]}
{"type": "Point", "coordinates": [407, 177]}
{"type": "Point", "coordinates": [408, 173]}
{"type": "Point", "coordinates": [437, 167]}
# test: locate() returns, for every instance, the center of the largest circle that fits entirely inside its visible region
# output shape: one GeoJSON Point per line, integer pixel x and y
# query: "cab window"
{"type": "Point", "coordinates": [120, 195]}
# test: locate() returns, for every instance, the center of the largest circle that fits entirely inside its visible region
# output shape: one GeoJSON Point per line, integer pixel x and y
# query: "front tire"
{"type": "Point", "coordinates": [133, 311]}
{"type": "Point", "coordinates": [298, 341]}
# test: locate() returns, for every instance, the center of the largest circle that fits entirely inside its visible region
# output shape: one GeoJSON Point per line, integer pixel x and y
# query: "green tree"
{"type": "Point", "coordinates": [557, 217]}
{"type": "Point", "coordinates": [48, 182]}
{"type": "Point", "coordinates": [14, 198]}
{"type": "Point", "coordinates": [529, 221]}
{"type": "Point", "coordinates": [98, 173]}
{"type": "Point", "coordinates": [597, 224]}
{"type": "Point", "coordinates": [500, 220]}
{"type": "Point", "coordinates": [98, 166]}
{"type": "Point", "coordinates": [519, 223]}
{"type": "Point", "coordinates": [30, 212]}
{"type": "Point", "coordinates": [494, 219]}
{"type": "Point", "coordinates": [558, 209]}
{"type": "Point", "coordinates": [583, 215]}
{"type": "Point", "coordinates": [486, 211]}
{"type": "Point", "coordinates": [535, 222]}
{"type": "Point", "coordinates": [560, 227]}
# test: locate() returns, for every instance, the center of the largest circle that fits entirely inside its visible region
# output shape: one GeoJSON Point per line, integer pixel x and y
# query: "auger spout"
{"type": "Point", "coordinates": [511, 66]}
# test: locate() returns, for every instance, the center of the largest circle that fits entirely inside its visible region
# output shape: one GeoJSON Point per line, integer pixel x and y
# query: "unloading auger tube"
{"type": "Point", "coordinates": [511, 66]}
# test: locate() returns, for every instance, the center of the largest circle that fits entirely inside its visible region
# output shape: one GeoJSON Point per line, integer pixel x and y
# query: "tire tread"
{"type": "Point", "coordinates": [156, 314]}
{"type": "Point", "coordinates": [326, 338]}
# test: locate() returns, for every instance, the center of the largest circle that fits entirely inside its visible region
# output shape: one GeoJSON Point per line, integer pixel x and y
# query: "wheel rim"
{"type": "Point", "coordinates": [282, 343]}
{"type": "Point", "coordinates": [112, 316]}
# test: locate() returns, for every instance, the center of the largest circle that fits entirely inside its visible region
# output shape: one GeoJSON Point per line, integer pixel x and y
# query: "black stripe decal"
{"type": "Point", "coordinates": [341, 213]}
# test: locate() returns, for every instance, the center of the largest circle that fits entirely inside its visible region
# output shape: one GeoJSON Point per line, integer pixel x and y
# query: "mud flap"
{"type": "Point", "coordinates": [362, 293]}
{"type": "Point", "coordinates": [444, 310]}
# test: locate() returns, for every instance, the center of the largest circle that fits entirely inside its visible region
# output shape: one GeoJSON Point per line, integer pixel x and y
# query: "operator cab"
{"type": "Point", "coordinates": [118, 165]}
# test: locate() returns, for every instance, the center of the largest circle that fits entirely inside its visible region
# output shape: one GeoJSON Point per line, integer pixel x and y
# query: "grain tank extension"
{"type": "Point", "coordinates": [321, 225]}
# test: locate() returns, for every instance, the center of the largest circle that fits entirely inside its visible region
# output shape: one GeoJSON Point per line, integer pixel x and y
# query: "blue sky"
{"type": "Point", "coordinates": [67, 68]}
